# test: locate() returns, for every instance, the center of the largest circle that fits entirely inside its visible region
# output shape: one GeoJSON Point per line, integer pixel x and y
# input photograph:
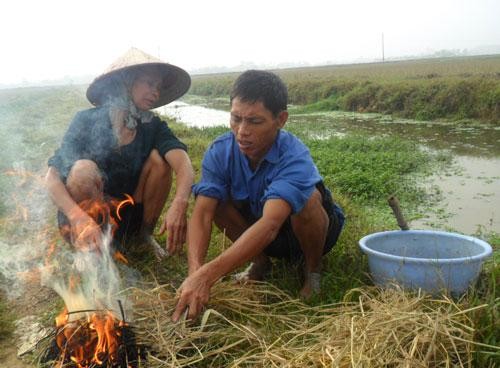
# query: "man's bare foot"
{"type": "Point", "coordinates": [256, 271]}
{"type": "Point", "coordinates": [312, 285]}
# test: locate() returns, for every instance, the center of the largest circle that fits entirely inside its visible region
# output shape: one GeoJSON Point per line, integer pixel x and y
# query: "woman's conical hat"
{"type": "Point", "coordinates": [175, 81]}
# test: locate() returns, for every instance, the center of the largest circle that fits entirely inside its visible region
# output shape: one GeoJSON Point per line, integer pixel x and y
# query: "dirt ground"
{"type": "Point", "coordinates": [8, 356]}
{"type": "Point", "coordinates": [36, 301]}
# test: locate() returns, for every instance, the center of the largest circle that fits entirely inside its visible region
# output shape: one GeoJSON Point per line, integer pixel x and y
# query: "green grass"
{"type": "Point", "coordinates": [362, 171]}
{"type": "Point", "coordinates": [449, 88]}
{"type": "Point", "coordinates": [487, 291]}
{"type": "Point", "coordinates": [6, 321]}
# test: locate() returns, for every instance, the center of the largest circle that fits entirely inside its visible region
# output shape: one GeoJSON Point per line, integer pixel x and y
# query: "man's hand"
{"type": "Point", "coordinates": [175, 225]}
{"type": "Point", "coordinates": [194, 295]}
{"type": "Point", "coordinates": [85, 233]}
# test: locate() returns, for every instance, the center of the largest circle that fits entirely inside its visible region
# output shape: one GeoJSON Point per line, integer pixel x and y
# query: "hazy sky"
{"type": "Point", "coordinates": [52, 39]}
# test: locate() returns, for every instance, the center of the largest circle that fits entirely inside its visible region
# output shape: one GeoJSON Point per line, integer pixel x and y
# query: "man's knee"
{"type": "Point", "coordinates": [224, 210]}
{"type": "Point", "coordinates": [312, 219]}
{"type": "Point", "coordinates": [312, 210]}
{"type": "Point", "coordinates": [229, 219]}
{"type": "Point", "coordinates": [84, 180]}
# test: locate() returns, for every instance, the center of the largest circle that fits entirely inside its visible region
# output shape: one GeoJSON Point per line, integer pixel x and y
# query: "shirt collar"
{"type": "Point", "coordinates": [272, 155]}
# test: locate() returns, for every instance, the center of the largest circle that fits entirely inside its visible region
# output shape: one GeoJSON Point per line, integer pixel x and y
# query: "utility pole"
{"type": "Point", "coordinates": [383, 56]}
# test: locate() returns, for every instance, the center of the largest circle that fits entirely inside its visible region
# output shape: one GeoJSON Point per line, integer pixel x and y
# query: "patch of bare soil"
{"type": "Point", "coordinates": [36, 301]}
{"type": "Point", "coordinates": [9, 358]}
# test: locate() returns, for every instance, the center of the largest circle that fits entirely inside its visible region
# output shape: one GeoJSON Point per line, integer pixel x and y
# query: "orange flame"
{"type": "Point", "coordinates": [129, 200]}
{"type": "Point", "coordinates": [102, 213]}
{"type": "Point", "coordinates": [96, 339]}
{"type": "Point", "coordinates": [118, 256]}
{"type": "Point", "coordinates": [90, 342]}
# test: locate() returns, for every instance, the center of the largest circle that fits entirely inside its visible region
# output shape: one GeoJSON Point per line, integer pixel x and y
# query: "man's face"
{"type": "Point", "coordinates": [145, 91]}
{"type": "Point", "coordinates": [255, 128]}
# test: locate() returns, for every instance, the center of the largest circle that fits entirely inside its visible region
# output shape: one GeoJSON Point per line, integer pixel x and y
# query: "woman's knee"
{"type": "Point", "coordinates": [84, 180]}
{"type": "Point", "coordinates": [158, 165]}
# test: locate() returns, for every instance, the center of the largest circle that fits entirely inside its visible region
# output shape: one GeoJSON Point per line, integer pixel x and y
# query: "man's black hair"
{"type": "Point", "coordinates": [259, 85]}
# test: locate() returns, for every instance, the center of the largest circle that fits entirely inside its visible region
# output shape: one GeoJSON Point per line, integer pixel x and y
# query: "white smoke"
{"type": "Point", "coordinates": [23, 236]}
{"type": "Point", "coordinates": [32, 122]}
{"type": "Point", "coordinates": [90, 281]}
{"type": "Point", "coordinates": [33, 253]}
{"type": "Point", "coordinates": [16, 263]}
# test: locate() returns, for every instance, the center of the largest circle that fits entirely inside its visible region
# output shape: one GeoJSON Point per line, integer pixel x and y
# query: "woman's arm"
{"type": "Point", "coordinates": [175, 220]}
{"type": "Point", "coordinates": [85, 233]}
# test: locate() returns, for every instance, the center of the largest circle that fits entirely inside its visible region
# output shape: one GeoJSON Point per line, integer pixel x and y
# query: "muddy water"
{"type": "Point", "coordinates": [471, 198]}
{"type": "Point", "coordinates": [470, 191]}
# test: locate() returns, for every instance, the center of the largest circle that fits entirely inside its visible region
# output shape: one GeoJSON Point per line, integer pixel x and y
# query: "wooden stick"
{"type": "Point", "coordinates": [394, 203]}
{"type": "Point", "coordinates": [121, 310]}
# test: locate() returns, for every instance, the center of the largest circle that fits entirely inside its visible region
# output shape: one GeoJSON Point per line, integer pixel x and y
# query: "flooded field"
{"type": "Point", "coordinates": [469, 190]}
{"type": "Point", "coordinates": [471, 197]}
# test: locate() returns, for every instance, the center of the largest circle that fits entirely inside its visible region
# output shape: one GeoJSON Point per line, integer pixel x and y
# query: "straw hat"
{"type": "Point", "coordinates": [176, 81]}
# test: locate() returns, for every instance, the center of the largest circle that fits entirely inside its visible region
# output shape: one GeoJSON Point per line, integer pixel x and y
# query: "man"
{"type": "Point", "coordinates": [121, 148]}
{"type": "Point", "coordinates": [260, 185]}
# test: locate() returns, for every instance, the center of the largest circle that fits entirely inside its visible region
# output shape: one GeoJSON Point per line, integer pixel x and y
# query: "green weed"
{"type": "Point", "coordinates": [361, 171]}
{"type": "Point", "coordinates": [6, 321]}
{"type": "Point", "coordinates": [448, 88]}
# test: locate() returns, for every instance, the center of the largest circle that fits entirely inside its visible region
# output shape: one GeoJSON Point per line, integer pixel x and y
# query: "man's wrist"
{"type": "Point", "coordinates": [181, 202]}
{"type": "Point", "coordinates": [208, 273]}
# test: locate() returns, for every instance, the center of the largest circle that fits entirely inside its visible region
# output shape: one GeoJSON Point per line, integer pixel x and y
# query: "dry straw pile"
{"type": "Point", "coordinates": [260, 326]}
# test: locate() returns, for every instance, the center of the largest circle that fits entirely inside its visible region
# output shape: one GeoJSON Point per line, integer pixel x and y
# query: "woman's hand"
{"type": "Point", "coordinates": [86, 234]}
{"type": "Point", "coordinates": [175, 224]}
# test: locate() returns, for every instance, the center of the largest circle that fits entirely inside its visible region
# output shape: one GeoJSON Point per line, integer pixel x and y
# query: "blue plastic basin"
{"type": "Point", "coordinates": [434, 261]}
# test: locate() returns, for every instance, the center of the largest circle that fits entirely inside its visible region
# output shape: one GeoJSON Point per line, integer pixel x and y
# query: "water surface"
{"type": "Point", "coordinates": [195, 115]}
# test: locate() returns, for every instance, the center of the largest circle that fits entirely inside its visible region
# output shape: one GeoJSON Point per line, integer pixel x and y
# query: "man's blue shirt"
{"type": "Point", "coordinates": [287, 172]}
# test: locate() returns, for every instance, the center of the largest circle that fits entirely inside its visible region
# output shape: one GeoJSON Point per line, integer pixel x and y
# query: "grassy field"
{"type": "Point", "coordinates": [448, 88]}
{"type": "Point", "coordinates": [5, 321]}
{"type": "Point", "coordinates": [361, 172]}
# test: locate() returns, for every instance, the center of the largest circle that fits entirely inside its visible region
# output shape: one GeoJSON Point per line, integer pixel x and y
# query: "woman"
{"type": "Point", "coordinates": [121, 148]}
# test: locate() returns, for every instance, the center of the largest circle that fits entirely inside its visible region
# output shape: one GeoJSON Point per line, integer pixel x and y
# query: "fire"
{"type": "Point", "coordinates": [103, 213]}
{"type": "Point", "coordinates": [95, 340]}
{"type": "Point", "coordinates": [88, 332]}
{"type": "Point", "coordinates": [119, 206]}
{"type": "Point", "coordinates": [118, 256]}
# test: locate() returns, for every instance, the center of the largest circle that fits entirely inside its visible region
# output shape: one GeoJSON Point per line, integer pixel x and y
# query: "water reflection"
{"type": "Point", "coordinates": [462, 139]}
{"type": "Point", "coordinates": [195, 116]}
{"type": "Point", "coordinates": [471, 198]}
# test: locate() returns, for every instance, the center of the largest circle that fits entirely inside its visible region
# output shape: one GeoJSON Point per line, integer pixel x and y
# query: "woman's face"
{"type": "Point", "coordinates": [145, 91]}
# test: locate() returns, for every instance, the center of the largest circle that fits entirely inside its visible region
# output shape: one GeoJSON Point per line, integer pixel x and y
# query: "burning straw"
{"type": "Point", "coordinates": [259, 325]}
